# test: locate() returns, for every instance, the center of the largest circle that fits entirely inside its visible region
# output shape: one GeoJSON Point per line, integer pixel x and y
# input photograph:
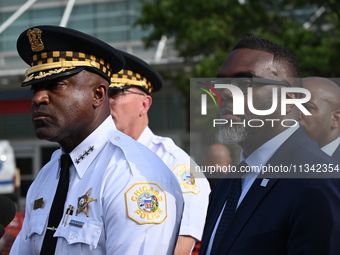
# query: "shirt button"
{"type": "Point", "coordinates": [117, 138]}
{"type": "Point", "coordinates": [71, 237]}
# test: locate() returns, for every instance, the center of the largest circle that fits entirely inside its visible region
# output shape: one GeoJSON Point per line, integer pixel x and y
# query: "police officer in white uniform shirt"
{"type": "Point", "coordinates": [130, 101]}
{"type": "Point", "coordinates": [121, 198]}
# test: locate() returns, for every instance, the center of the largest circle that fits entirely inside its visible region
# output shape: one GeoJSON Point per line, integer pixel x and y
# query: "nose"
{"type": "Point", "coordinates": [40, 97]}
{"type": "Point", "coordinates": [227, 98]}
{"type": "Point", "coordinates": [227, 95]}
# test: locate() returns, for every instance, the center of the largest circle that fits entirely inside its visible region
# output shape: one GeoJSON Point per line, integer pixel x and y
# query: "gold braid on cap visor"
{"type": "Point", "coordinates": [126, 77]}
{"type": "Point", "coordinates": [59, 61]}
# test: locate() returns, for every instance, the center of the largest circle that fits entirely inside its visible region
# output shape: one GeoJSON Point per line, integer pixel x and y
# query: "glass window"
{"type": "Point", "coordinates": [175, 111]}
{"type": "Point", "coordinates": [167, 112]}
{"type": "Point", "coordinates": [156, 114]}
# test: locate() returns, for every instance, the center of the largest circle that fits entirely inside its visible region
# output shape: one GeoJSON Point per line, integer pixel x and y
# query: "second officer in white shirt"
{"type": "Point", "coordinates": [130, 101]}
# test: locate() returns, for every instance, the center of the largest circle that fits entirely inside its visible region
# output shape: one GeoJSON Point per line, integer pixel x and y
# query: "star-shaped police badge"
{"type": "Point", "coordinates": [83, 203]}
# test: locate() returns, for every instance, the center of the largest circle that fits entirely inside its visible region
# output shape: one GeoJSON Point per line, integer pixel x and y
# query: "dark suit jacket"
{"type": "Point", "coordinates": [288, 216]}
{"type": "Point", "coordinates": [336, 154]}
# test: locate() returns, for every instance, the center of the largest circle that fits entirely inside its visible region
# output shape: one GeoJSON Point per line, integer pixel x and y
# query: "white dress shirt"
{"type": "Point", "coordinates": [255, 160]}
{"type": "Point", "coordinates": [195, 190]}
{"type": "Point", "coordinates": [136, 205]}
{"type": "Point", "coordinates": [330, 148]}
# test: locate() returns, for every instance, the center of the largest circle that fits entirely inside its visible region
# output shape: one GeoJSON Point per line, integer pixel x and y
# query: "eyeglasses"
{"type": "Point", "coordinates": [248, 82]}
{"type": "Point", "coordinates": [114, 93]}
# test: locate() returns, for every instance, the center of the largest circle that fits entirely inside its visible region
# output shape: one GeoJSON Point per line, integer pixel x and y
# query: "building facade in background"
{"type": "Point", "coordinates": [109, 20]}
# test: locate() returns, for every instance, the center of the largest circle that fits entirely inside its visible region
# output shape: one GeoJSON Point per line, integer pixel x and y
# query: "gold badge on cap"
{"type": "Point", "coordinates": [83, 203]}
{"type": "Point", "coordinates": [34, 37]}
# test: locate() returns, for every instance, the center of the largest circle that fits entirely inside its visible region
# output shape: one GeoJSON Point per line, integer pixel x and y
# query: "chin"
{"type": "Point", "coordinates": [44, 133]}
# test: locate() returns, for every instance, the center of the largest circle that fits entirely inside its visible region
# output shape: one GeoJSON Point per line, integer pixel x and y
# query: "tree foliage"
{"type": "Point", "coordinates": [205, 31]}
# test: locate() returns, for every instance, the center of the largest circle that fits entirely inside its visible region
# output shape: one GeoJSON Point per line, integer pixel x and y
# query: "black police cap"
{"type": "Point", "coordinates": [54, 51]}
{"type": "Point", "coordinates": [138, 73]}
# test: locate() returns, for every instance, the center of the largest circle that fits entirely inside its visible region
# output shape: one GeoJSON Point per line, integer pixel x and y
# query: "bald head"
{"type": "Point", "coordinates": [323, 88]}
{"type": "Point", "coordinates": [218, 154]}
{"type": "Point", "coordinates": [323, 125]}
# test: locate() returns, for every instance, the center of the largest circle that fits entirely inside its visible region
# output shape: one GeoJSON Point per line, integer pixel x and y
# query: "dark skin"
{"type": "Point", "coordinates": [323, 125]}
{"type": "Point", "coordinates": [66, 110]}
{"type": "Point", "coordinates": [248, 62]}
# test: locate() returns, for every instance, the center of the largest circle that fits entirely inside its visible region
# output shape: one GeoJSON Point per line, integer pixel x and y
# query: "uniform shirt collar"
{"type": "Point", "coordinates": [261, 155]}
{"type": "Point", "coordinates": [84, 154]}
{"type": "Point", "coordinates": [331, 147]}
{"type": "Point", "coordinates": [145, 136]}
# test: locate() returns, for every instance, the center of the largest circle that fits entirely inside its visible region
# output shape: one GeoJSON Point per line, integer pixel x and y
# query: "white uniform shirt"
{"type": "Point", "coordinates": [195, 191]}
{"type": "Point", "coordinates": [138, 204]}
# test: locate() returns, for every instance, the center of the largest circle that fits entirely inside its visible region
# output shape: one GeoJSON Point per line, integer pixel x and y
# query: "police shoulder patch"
{"type": "Point", "coordinates": [146, 203]}
{"type": "Point", "coordinates": [186, 179]}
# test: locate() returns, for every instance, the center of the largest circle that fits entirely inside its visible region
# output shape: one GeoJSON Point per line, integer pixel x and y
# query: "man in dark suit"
{"type": "Point", "coordinates": [277, 212]}
{"type": "Point", "coordinates": [323, 125]}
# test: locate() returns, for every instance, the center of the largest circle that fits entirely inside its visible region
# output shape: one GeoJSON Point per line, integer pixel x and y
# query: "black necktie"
{"type": "Point", "coordinates": [229, 209]}
{"type": "Point", "coordinates": [57, 208]}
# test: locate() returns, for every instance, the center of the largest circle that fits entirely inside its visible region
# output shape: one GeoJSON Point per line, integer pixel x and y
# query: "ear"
{"type": "Point", "coordinates": [146, 104]}
{"type": "Point", "coordinates": [335, 119]}
{"type": "Point", "coordinates": [291, 107]}
{"type": "Point", "coordinates": [100, 95]}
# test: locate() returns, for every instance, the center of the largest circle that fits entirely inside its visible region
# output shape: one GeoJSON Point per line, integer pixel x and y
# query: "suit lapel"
{"type": "Point", "coordinates": [336, 154]}
{"type": "Point", "coordinates": [254, 196]}
{"type": "Point", "coordinates": [288, 148]}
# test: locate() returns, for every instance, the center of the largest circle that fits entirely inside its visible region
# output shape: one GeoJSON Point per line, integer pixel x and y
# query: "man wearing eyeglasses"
{"type": "Point", "coordinates": [130, 99]}
{"type": "Point", "coordinates": [257, 210]}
